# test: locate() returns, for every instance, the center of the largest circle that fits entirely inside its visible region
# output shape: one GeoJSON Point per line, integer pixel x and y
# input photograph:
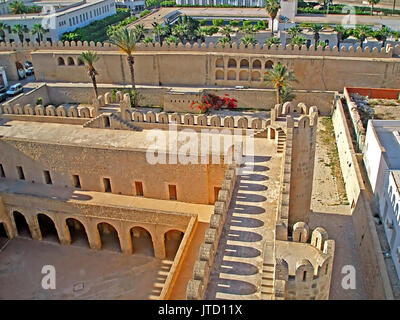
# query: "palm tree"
{"type": "Point", "coordinates": [39, 30]}
{"type": "Point", "coordinates": [286, 94]}
{"type": "Point", "coordinates": [249, 40]}
{"type": "Point", "coordinates": [139, 31]}
{"type": "Point", "coordinates": [340, 32]}
{"type": "Point", "coordinates": [17, 7]}
{"type": "Point", "coordinates": [3, 28]}
{"type": "Point", "coordinates": [316, 29]}
{"type": "Point", "coordinates": [298, 40]}
{"type": "Point", "coordinates": [20, 29]}
{"type": "Point", "coordinates": [148, 41]}
{"type": "Point", "coordinates": [224, 41]}
{"type": "Point", "coordinates": [294, 31]}
{"type": "Point", "coordinates": [180, 31]}
{"type": "Point", "coordinates": [125, 40]}
{"type": "Point", "coordinates": [273, 40]}
{"type": "Point", "coordinates": [279, 77]}
{"type": "Point", "coordinates": [226, 31]}
{"type": "Point", "coordinates": [272, 7]}
{"type": "Point", "coordinates": [201, 34]}
{"type": "Point", "coordinates": [157, 31]}
{"type": "Point", "coordinates": [361, 33]}
{"type": "Point", "coordinates": [172, 40]}
{"type": "Point", "coordinates": [89, 58]}
{"type": "Point", "coordinates": [372, 3]}
{"type": "Point", "coordinates": [382, 34]}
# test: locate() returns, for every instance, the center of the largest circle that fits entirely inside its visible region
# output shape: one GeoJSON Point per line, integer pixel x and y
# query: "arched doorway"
{"type": "Point", "coordinates": [172, 240]}
{"type": "Point", "coordinates": [108, 237]}
{"type": "Point", "coordinates": [142, 242]}
{"type": "Point", "coordinates": [21, 224]}
{"type": "Point", "coordinates": [77, 233]}
{"type": "Point", "coordinates": [3, 234]}
{"type": "Point", "coordinates": [47, 228]}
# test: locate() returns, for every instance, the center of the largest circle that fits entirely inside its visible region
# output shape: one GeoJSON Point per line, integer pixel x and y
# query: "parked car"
{"type": "Point", "coordinates": [3, 89]}
{"type": "Point", "coordinates": [29, 71]}
{"type": "Point", "coordinates": [27, 64]}
{"type": "Point", "coordinates": [3, 96]}
{"type": "Point", "coordinates": [15, 89]}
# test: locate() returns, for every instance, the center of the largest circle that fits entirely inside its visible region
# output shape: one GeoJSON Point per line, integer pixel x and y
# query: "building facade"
{"type": "Point", "coordinates": [58, 20]}
{"type": "Point", "coordinates": [382, 162]}
{"type": "Point", "coordinates": [237, 3]}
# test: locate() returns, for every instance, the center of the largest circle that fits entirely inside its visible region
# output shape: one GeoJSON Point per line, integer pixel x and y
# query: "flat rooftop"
{"type": "Point", "coordinates": [385, 130]}
{"type": "Point", "coordinates": [76, 135]}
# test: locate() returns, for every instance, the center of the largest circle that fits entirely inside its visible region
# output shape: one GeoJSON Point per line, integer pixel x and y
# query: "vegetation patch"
{"type": "Point", "coordinates": [327, 136]}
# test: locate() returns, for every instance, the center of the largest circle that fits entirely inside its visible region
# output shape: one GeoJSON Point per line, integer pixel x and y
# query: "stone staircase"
{"type": "Point", "coordinates": [118, 122]}
{"type": "Point", "coordinates": [268, 272]}
{"type": "Point", "coordinates": [281, 140]}
{"type": "Point", "coordinates": [126, 125]}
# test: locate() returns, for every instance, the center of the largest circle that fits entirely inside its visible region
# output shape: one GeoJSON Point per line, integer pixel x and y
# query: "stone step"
{"type": "Point", "coordinates": [231, 296]}
{"type": "Point", "coordinates": [266, 296]}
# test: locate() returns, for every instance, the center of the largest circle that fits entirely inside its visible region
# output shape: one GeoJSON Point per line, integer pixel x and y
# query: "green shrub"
{"type": "Point", "coordinates": [167, 3]}
{"type": "Point", "coordinates": [218, 22]}
{"type": "Point", "coordinates": [234, 23]}
{"type": "Point", "coordinates": [144, 13]}
{"type": "Point", "coordinates": [39, 101]}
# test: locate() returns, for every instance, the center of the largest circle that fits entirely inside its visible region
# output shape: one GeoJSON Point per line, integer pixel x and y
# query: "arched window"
{"type": "Point", "coordinates": [390, 191]}
{"type": "Point", "coordinates": [256, 64]}
{"type": "Point", "coordinates": [244, 63]}
{"type": "Point", "coordinates": [80, 62]}
{"type": "Point", "coordinates": [393, 199]}
{"type": "Point", "coordinates": [231, 63]}
{"type": "Point", "coordinates": [243, 75]}
{"type": "Point", "coordinates": [219, 63]}
{"type": "Point", "coordinates": [60, 61]}
{"type": "Point", "coordinates": [219, 75]}
{"type": "Point", "coordinates": [255, 76]}
{"type": "Point", "coordinates": [231, 75]}
{"type": "Point", "coordinates": [70, 61]}
{"type": "Point", "coordinates": [269, 64]}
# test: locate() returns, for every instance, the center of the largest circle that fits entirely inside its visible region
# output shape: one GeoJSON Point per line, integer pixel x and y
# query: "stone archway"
{"type": "Point", "coordinates": [109, 237]}
{"type": "Point", "coordinates": [142, 242]}
{"type": "Point", "coordinates": [172, 241]}
{"type": "Point", "coordinates": [3, 230]}
{"type": "Point", "coordinates": [47, 228]}
{"type": "Point", "coordinates": [77, 232]}
{"type": "Point", "coordinates": [21, 224]}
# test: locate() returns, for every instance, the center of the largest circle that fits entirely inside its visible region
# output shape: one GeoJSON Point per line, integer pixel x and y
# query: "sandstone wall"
{"type": "Point", "coordinates": [374, 272]}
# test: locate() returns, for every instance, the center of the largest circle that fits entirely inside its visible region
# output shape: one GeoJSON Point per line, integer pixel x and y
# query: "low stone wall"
{"type": "Point", "coordinates": [355, 119]}
{"type": "Point", "coordinates": [197, 286]}
{"type": "Point", "coordinates": [374, 271]}
{"type": "Point", "coordinates": [31, 96]}
{"type": "Point", "coordinates": [174, 272]}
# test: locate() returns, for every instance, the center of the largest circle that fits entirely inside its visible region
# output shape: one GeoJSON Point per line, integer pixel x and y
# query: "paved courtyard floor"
{"type": "Point", "coordinates": [81, 273]}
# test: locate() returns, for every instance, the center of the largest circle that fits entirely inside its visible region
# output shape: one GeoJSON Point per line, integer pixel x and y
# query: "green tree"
{"type": "Point", "coordinates": [286, 94]}
{"type": "Point", "coordinates": [234, 23]}
{"type": "Point", "coordinates": [272, 7]}
{"type": "Point", "coordinates": [372, 3]}
{"type": "Point", "coordinates": [201, 33]}
{"type": "Point", "coordinates": [172, 40]}
{"type": "Point", "coordinates": [362, 32]}
{"type": "Point", "coordinates": [323, 44]}
{"type": "Point", "coordinates": [273, 40]}
{"type": "Point", "coordinates": [148, 40]}
{"type": "Point", "coordinates": [382, 35]}
{"type": "Point", "coordinates": [180, 31]}
{"type": "Point", "coordinates": [218, 22]}
{"type": "Point", "coordinates": [298, 40]}
{"type": "Point", "coordinates": [89, 58]}
{"type": "Point", "coordinates": [226, 32]}
{"type": "Point", "coordinates": [20, 30]}
{"type": "Point", "coordinates": [17, 7]}
{"type": "Point", "coordinates": [157, 31]}
{"type": "Point", "coordinates": [294, 31]}
{"type": "Point", "coordinates": [139, 31]}
{"type": "Point", "coordinates": [316, 29]}
{"type": "Point", "coordinates": [125, 40]}
{"type": "Point", "coordinates": [39, 31]}
{"type": "Point", "coordinates": [279, 77]}
{"type": "Point", "coordinates": [3, 28]}
{"type": "Point", "coordinates": [224, 41]}
{"type": "Point", "coordinates": [249, 40]}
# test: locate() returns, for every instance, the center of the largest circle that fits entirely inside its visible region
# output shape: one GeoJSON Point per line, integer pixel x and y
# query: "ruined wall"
{"type": "Point", "coordinates": [303, 268]}
{"type": "Point", "coordinates": [374, 272]}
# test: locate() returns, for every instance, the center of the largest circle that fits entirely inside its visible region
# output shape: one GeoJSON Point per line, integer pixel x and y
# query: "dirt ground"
{"type": "Point", "coordinates": [331, 211]}
{"type": "Point", "coordinates": [81, 273]}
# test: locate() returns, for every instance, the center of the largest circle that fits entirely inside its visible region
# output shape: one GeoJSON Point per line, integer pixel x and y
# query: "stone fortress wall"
{"type": "Point", "coordinates": [199, 66]}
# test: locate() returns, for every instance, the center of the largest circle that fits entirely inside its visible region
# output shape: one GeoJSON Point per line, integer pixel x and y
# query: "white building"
{"type": "Point", "coordinates": [134, 5]}
{"type": "Point", "coordinates": [382, 162]}
{"type": "Point", "coordinates": [59, 20]}
{"type": "Point", "coordinates": [238, 3]}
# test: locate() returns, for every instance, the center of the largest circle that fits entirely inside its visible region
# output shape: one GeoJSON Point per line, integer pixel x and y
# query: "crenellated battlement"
{"type": "Point", "coordinates": [304, 264]}
{"type": "Point", "coordinates": [343, 51]}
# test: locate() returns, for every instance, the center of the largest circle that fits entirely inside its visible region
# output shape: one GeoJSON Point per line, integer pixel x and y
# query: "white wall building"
{"type": "Point", "coordinates": [382, 162]}
{"type": "Point", "coordinates": [134, 5]}
{"type": "Point", "coordinates": [60, 20]}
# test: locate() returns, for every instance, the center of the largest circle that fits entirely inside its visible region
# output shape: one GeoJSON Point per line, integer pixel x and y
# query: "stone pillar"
{"type": "Point", "coordinates": [125, 241]}
{"type": "Point", "coordinates": [159, 246]}
{"type": "Point", "coordinates": [93, 236]}
{"type": "Point", "coordinates": [11, 231]}
{"type": "Point", "coordinates": [34, 227]}
{"type": "Point", "coordinates": [62, 231]}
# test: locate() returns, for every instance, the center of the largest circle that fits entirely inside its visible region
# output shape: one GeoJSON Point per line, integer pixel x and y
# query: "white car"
{"type": "Point", "coordinates": [15, 89]}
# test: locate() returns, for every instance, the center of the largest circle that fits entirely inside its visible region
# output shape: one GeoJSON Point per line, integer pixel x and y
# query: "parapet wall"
{"type": "Point", "coordinates": [235, 48]}
{"type": "Point", "coordinates": [304, 265]}
{"type": "Point", "coordinates": [197, 285]}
